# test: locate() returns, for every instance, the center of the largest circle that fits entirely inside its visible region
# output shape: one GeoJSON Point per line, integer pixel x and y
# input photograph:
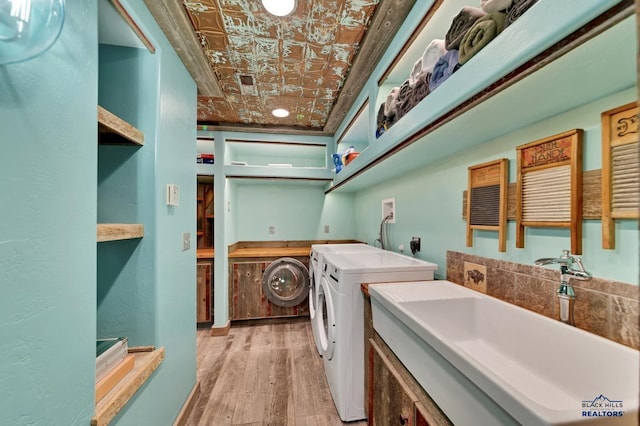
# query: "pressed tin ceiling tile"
{"type": "Point", "coordinates": [298, 62]}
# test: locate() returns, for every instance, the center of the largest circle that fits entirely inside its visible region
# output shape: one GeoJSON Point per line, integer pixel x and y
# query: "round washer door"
{"type": "Point", "coordinates": [326, 317]}
{"type": "Point", "coordinates": [285, 282]}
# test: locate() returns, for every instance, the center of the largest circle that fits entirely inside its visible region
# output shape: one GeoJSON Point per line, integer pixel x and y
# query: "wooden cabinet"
{"type": "Point", "coordinates": [246, 297]}
{"type": "Point", "coordinates": [393, 402]}
{"type": "Point", "coordinates": [394, 397]}
{"type": "Point", "coordinates": [204, 291]}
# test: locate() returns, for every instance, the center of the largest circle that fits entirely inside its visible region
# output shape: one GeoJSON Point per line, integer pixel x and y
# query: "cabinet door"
{"type": "Point", "coordinates": [422, 415]}
{"type": "Point", "coordinates": [245, 292]}
{"type": "Point", "coordinates": [393, 402]}
{"type": "Point", "coordinates": [203, 292]}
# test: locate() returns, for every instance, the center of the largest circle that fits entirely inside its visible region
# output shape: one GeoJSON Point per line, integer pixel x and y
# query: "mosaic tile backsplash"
{"type": "Point", "coordinates": [607, 308]}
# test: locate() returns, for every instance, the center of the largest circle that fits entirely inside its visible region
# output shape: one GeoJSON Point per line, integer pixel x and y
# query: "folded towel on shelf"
{"type": "Point", "coordinates": [390, 104]}
{"type": "Point", "coordinates": [417, 69]}
{"type": "Point", "coordinates": [481, 33]}
{"type": "Point", "coordinates": [380, 119]}
{"type": "Point", "coordinates": [495, 5]}
{"type": "Point", "coordinates": [517, 9]}
{"type": "Point", "coordinates": [444, 68]}
{"type": "Point", "coordinates": [407, 104]}
{"type": "Point", "coordinates": [404, 97]}
{"type": "Point", "coordinates": [432, 53]}
{"type": "Point", "coordinates": [463, 21]}
{"type": "Point", "coordinates": [421, 89]}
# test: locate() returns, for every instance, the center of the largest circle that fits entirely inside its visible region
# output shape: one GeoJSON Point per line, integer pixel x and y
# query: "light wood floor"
{"type": "Point", "coordinates": [265, 374]}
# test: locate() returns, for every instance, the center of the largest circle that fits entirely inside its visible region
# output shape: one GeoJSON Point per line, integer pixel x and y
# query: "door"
{"type": "Point", "coordinates": [326, 320]}
{"type": "Point", "coordinates": [204, 300]}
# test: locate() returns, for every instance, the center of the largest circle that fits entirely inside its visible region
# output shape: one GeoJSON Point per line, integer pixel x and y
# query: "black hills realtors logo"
{"type": "Point", "coordinates": [601, 406]}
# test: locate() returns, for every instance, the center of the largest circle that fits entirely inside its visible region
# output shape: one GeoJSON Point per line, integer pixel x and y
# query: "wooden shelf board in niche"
{"type": "Point", "coordinates": [119, 231]}
{"type": "Point", "coordinates": [112, 130]}
{"type": "Point", "coordinates": [146, 362]}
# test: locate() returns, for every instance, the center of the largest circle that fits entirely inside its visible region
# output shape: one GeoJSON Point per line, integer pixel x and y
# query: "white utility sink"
{"type": "Point", "coordinates": [485, 361]}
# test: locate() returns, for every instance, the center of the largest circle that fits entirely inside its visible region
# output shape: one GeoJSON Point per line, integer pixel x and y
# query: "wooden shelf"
{"type": "Point", "coordinates": [548, 74]}
{"type": "Point", "coordinates": [269, 252]}
{"type": "Point", "coordinates": [112, 130]}
{"type": "Point", "coordinates": [146, 362]}
{"type": "Point", "coordinates": [119, 231]}
{"type": "Point", "coordinates": [205, 253]}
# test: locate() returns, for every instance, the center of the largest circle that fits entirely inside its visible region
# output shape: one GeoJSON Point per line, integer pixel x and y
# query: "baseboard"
{"type": "Point", "coordinates": [221, 331]}
{"type": "Point", "coordinates": [191, 401]}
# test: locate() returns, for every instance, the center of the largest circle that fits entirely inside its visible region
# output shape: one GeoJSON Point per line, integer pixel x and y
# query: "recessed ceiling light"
{"type": "Point", "coordinates": [279, 7]}
{"type": "Point", "coordinates": [280, 112]}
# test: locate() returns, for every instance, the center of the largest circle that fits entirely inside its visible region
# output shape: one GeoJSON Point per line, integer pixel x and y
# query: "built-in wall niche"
{"type": "Point", "coordinates": [205, 155]}
{"type": "Point", "coordinates": [275, 154]}
{"type": "Point", "coordinates": [547, 73]}
{"type": "Point", "coordinates": [356, 133]}
{"type": "Point", "coordinates": [434, 26]}
{"type": "Point", "coordinates": [121, 85]}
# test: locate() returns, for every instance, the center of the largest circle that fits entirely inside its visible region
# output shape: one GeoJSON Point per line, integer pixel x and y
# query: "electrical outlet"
{"type": "Point", "coordinates": [414, 244]}
{"type": "Point", "coordinates": [272, 229]}
{"type": "Point", "coordinates": [326, 229]}
{"type": "Point", "coordinates": [186, 241]}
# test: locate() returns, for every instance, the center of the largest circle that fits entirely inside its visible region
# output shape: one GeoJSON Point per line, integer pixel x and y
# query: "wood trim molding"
{"type": "Point", "coordinates": [174, 22]}
{"type": "Point", "coordinates": [187, 408]}
{"type": "Point", "coordinates": [221, 331]}
{"type": "Point", "coordinates": [133, 25]}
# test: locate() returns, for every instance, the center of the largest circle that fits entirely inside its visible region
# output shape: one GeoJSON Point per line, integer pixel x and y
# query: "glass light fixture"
{"type": "Point", "coordinates": [280, 112]}
{"type": "Point", "coordinates": [279, 7]}
{"type": "Point", "coordinates": [28, 28]}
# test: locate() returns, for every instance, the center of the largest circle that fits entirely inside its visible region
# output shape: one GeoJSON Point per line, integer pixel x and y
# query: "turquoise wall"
{"type": "Point", "coordinates": [48, 229]}
{"type": "Point", "coordinates": [297, 211]}
{"type": "Point", "coordinates": [56, 296]}
{"type": "Point", "coordinates": [429, 203]}
{"type": "Point", "coordinates": [146, 287]}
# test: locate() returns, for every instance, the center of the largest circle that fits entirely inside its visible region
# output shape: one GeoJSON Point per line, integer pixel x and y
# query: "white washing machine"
{"type": "Point", "coordinates": [316, 265]}
{"type": "Point", "coordinates": [340, 313]}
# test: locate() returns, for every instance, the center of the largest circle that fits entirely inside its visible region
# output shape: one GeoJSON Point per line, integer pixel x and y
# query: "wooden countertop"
{"type": "Point", "coordinates": [270, 252]}
{"type": "Point", "coordinates": [205, 253]}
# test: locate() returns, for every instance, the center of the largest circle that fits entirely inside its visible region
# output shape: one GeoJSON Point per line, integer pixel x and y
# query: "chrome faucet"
{"type": "Point", "coordinates": [570, 266]}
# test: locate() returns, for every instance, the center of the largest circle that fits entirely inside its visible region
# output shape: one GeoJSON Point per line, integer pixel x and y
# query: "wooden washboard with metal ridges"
{"type": "Point", "coordinates": [620, 169]}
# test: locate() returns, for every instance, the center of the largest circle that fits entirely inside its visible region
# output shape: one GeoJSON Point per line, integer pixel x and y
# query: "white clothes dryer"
{"type": "Point", "coordinates": [340, 321]}
{"type": "Point", "coordinates": [316, 265]}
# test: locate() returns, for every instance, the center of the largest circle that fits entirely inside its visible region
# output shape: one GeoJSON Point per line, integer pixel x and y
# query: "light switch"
{"type": "Point", "coordinates": [173, 194]}
{"type": "Point", "coordinates": [186, 241]}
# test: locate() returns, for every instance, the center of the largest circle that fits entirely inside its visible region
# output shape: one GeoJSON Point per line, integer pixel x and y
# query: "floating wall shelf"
{"type": "Point", "coordinates": [146, 362]}
{"type": "Point", "coordinates": [112, 130]}
{"type": "Point", "coordinates": [119, 231]}
{"type": "Point", "coordinates": [544, 61]}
